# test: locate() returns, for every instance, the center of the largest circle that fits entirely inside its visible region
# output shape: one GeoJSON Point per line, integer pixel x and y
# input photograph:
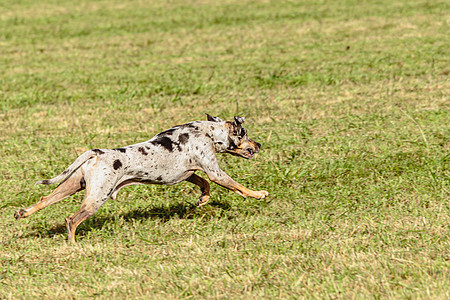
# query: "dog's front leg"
{"type": "Point", "coordinates": [204, 186]}
{"type": "Point", "coordinates": [221, 178]}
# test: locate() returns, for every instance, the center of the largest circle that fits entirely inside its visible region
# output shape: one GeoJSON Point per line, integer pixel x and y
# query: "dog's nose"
{"type": "Point", "coordinates": [259, 146]}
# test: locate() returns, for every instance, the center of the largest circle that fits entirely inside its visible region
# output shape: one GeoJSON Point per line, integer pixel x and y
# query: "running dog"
{"type": "Point", "coordinates": [168, 158]}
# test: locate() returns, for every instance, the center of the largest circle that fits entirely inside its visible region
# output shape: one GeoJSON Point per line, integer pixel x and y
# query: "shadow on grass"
{"type": "Point", "coordinates": [164, 213]}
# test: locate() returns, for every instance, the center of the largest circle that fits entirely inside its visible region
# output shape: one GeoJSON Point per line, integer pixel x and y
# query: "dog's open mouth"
{"type": "Point", "coordinates": [249, 153]}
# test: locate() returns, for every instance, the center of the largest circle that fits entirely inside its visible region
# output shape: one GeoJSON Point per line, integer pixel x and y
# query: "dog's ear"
{"type": "Point", "coordinates": [213, 119]}
{"type": "Point", "coordinates": [238, 121]}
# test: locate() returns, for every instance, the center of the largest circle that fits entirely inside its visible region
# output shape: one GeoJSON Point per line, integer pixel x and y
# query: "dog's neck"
{"type": "Point", "coordinates": [219, 135]}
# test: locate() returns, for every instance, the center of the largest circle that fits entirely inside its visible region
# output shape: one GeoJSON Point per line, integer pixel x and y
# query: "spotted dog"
{"type": "Point", "coordinates": [168, 158]}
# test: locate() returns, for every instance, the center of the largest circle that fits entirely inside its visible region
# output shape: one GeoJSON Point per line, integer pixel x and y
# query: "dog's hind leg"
{"type": "Point", "coordinates": [72, 185]}
{"type": "Point", "coordinates": [204, 187]}
{"type": "Point", "coordinates": [87, 210]}
{"type": "Point", "coordinates": [99, 187]}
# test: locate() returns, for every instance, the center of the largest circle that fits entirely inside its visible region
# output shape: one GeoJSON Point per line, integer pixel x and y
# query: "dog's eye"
{"type": "Point", "coordinates": [242, 132]}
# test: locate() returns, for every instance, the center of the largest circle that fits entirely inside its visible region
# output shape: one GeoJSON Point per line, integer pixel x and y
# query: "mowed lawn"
{"type": "Point", "coordinates": [349, 99]}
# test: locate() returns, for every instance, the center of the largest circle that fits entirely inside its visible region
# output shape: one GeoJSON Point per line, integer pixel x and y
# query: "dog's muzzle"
{"type": "Point", "coordinates": [251, 151]}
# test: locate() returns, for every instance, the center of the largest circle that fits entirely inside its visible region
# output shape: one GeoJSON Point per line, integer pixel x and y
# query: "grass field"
{"type": "Point", "coordinates": [350, 100]}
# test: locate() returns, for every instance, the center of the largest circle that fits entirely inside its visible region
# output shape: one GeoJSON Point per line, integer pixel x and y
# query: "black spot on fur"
{"type": "Point", "coordinates": [142, 150]}
{"type": "Point", "coordinates": [98, 151]}
{"type": "Point", "coordinates": [123, 150]}
{"type": "Point", "coordinates": [208, 136]}
{"type": "Point", "coordinates": [117, 164]}
{"type": "Point", "coordinates": [159, 178]}
{"type": "Point", "coordinates": [183, 138]}
{"type": "Point", "coordinates": [164, 142]}
{"type": "Point", "coordinates": [190, 125]}
{"type": "Point", "coordinates": [231, 145]}
{"type": "Point", "coordinates": [242, 132]}
{"type": "Point", "coordinates": [82, 183]}
{"type": "Point", "coordinates": [167, 132]}
{"type": "Point", "coordinates": [110, 192]}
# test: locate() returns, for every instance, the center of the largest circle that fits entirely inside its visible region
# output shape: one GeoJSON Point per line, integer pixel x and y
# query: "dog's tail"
{"type": "Point", "coordinates": [71, 169]}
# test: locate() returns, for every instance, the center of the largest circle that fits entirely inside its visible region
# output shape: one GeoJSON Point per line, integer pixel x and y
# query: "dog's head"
{"type": "Point", "coordinates": [238, 142]}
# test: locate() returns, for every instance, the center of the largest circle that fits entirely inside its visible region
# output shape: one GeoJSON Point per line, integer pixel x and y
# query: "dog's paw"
{"type": "Point", "coordinates": [20, 214]}
{"type": "Point", "coordinates": [202, 200]}
{"type": "Point", "coordinates": [261, 194]}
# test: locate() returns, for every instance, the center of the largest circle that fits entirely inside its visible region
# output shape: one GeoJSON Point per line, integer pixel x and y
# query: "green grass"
{"type": "Point", "coordinates": [350, 100]}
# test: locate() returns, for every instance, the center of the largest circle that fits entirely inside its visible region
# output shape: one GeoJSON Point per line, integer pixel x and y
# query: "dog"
{"type": "Point", "coordinates": [168, 158]}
